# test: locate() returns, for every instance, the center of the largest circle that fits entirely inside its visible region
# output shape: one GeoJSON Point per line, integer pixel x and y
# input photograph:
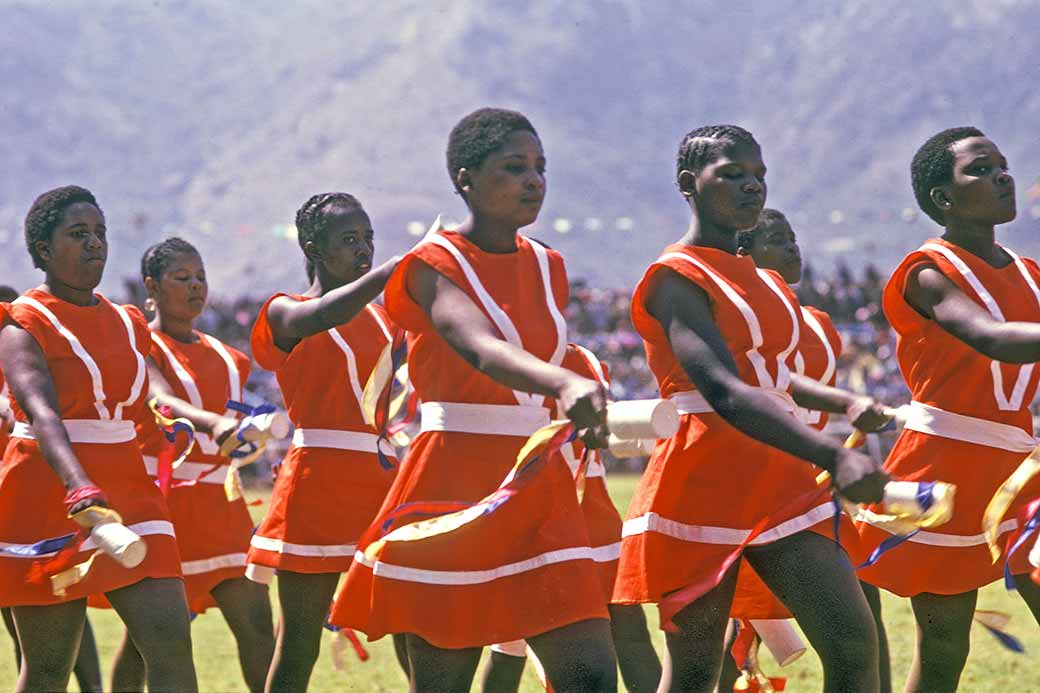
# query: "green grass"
{"type": "Point", "coordinates": [990, 668]}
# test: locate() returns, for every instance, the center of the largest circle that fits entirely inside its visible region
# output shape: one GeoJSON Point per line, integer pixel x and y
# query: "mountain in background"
{"type": "Point", "coordinates": [215, 121]}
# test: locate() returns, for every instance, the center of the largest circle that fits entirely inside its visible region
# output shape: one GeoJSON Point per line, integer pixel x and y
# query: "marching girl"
{"type": "Point", "coordinates": [75, 364]}
{"type": "Point", "coordinates": [718, 334]}
{"type": "Point", "coordinates": [966, 311]}
{"type": "Point", "coordinates": [637, 659]}
{"type": "Point", "coordinates": [322, 346]}
{"type": "Point", "coordinates": [482, 305]}
{"type": "Point", "coordinates": [773, 245]}
{"type": "Point", "coordinates": [195, 375]}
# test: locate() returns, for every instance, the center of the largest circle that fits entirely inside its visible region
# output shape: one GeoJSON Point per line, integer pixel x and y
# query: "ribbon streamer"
{"type": "Point", "coordinates": [340, 638]}
{"type": "Point", "coordinates": [745, 653]}
{"type": "Point", "coordinates": [376, 397]}
{"type": "Point", "coordinates": [1028, 521]}
{"type": "Point", "coordinates": [167, 459]}
{"type": "Point", "coordinates": [241, 451]}
{"type": "Point", "coordinates": [1004, 497]}
{"type": "Point", "coordinates": [995, 623]}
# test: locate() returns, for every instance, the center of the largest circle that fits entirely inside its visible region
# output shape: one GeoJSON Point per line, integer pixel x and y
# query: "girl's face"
{"type": "Point", "coordinates": [509, 186]}
{"type": "Point", "coordinates": [982, 191]}
{"type": "Point", "coordinates": [77, 250]}
{"type": "Point", "coordinates": [776, 247]}
{"type": "Point", "coordinates": [347, 247]}
{"type": "Point", "coordinates": [730, 192]}
{"type": "Point", "coordinates": [182, 290]}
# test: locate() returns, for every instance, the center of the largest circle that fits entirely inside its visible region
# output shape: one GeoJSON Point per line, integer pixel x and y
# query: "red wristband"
{"type": "Point", "coordinates": [83, 493]}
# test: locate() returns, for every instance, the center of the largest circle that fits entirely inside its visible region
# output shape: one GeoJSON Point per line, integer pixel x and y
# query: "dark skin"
{"type": "Point", "coordinates": [504, 194]}
{"type": "Point", "coordinates": [980, 196]}
{"type": "Point", "coordinates": [727, 195]}
{"type": "Point", "coordinates": [344, 283]}
{"type": "Point", "coordinates": [180, 297]}
{"type": "Point", "coordinates": [153, 610]}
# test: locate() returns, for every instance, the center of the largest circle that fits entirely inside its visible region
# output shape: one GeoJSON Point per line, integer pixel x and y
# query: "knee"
{"type": "Point", "coordinates": [595, 670]}
{"type": "Point", "coordinates": [299, 643]}
{"type": "Point", "coordinates": [951, 649]}
{"type": "Point", "coordinates": [855, 648]}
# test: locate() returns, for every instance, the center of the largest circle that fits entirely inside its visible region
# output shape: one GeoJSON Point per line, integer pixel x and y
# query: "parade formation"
{"type": "Point", "coordinates": [490, 524]}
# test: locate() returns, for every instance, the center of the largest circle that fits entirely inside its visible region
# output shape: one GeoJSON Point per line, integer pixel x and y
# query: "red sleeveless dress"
{"type": "Point", "coordinates": [331, 483]}
{"type": "Point", "coordinates": [96, 357]}
{"type": "Point", "coordinates": [520, 570]}
{"type": "Point", "coordinates": [212, 533]}
{"type": "Point", "coordinates": [709, 485]}
{"type": "Point", "coordinates": [969, 425]}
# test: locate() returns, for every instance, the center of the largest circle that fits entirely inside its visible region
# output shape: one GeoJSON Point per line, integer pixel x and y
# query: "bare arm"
{"type": "Point", "coordinates": [292, 320]}
{"type": "Point", "coordinates": [934, 296]}
{"type": "Point", "coordinates": [216, 425]}
{"type": "Point", "coordinates": [469, 332]}
{"type": "Point", "coordinates": [31, 386]}
{"type": "Point", "coordinates": [864, 412]}
{"type": "Point", "coordinates": [683, 310]}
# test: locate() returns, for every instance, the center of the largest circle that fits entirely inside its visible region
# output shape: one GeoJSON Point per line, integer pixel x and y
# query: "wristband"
{"type": "Point", "coordinates": [83, 493]}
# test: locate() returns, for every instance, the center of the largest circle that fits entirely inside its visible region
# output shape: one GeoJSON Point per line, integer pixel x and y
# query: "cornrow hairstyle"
{"type": "Point", "coordinates": [312, 219]}
{"type": "Point", "coordinates": [7, 294]}
{"type": "Point", "coordinates": [932, 166]}
{"type": "Point", "coordinates": [703, 145]}
{"type": "Point", "coordinates": [46, 213]}
{"type": "Point", "coordinates": [480, 133]}
{"type": "Point", "coordinates": [158, 257]}
{"type": "Point", "coordinates": [768, 217]}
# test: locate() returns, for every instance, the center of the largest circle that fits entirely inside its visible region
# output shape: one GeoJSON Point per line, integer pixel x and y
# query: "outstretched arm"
{"type": "Point", "coordinates": [934, 296]}
{"type": "Point", "coordinates": [865, 413]}
{"type": "Point", "coordinates": [469, 332]}
{"type": "Point", "coordinates": [32, 387]}
{"type": "Point", "coordinates": [292, 320]}
{"type": "Point", "coordinates": [683, 310]}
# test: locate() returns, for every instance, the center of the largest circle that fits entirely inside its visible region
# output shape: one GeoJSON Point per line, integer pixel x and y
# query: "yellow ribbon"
{"type": "Point", "coordinates": [442, 524]}
{"type": "Point", "coordinates": [167, 422]}
{"type": "Point", "coordinates": [86, 518]}
{"type": "Point", "coordinates": [1004, 497]}
{"type": "Point", "coordinates": [378, 379]}
{"type": "Point", "coordinates": [233, 481]}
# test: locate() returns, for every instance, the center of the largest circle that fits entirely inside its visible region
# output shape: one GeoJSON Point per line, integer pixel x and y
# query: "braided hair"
{"type": "Point", "coordinates": [312, 219]}
{"type": "Point", "coordinates": [768, 217]}
{"type": "Point", "coordinates": [703, 145]}
{"type": "Point", "coordinates": [932, 166]}
{"type": "Point", "coordinates": [158, 257]}
{"type": "Point", "coordinates": [479, 134]}
{"type": "Point", "coordinates": [46, 213]}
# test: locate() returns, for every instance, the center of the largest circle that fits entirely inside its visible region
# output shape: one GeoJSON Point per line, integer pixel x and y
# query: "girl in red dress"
{"type": "Point", "coordinates": [967, 312]}
{"type": "Point", "coordinates": [75, 364]}
{"type": "Point", "coordinates": [719, 334]}
{"type": "Point", "coordinates": [322, 346]}
{"type": "Point", "coordinates": [483, 308]}
{"type": "Point", "coordinates": [195, 375]}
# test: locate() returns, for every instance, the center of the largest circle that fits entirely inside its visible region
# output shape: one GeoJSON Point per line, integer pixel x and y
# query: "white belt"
{"type": "Point", "coordinates": [358, 441]}
{"type": "Point", "coordinates": [187, 471]}
{"type": "Point", "coordinates": [924, 418]}
{"type": "Point", "coordinates": [693, 402]}
{"type": "Point", "coordinates": [487, 419]}
{"type": "Point", "coordinates": [106, 431]}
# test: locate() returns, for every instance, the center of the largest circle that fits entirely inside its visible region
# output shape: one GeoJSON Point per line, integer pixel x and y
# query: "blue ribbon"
{"type": "Point", "coordinates": [40, 548]}
{"type": "Point", "coordinates": [243, 408]}
{"type": "Point", "coordinates": [398, 354]}
{"type": "Point", "coordinates": [1027, 531]}
{"type": "Point", "coordinates": [1006, 639]}
{"type": "Point", "coordinates": [925, 494]}
{"type": "Point", "coordinates": [884, 547]}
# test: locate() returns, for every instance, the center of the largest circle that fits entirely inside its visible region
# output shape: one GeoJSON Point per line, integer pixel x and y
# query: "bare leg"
{"type": "Point", "coordinates": [128, 672]}
{"type": "Point", "coordinates": [578, 657]}
{"type": "Point", "coordinates": [730, 668]}
{"type": "Point", "coordinates": [87, 668]}
{"type": "Point", "coordinates": [502, 673]}
{"type": "Point", "coordinates": [640, 667]}
{"type": "Point", "coordinates": [873, 596]}
{"type": "Point", "coordinates": [304, 600]}
{"type": "Point", "coordinates": [155, 612]}
{"type": "Point", "coordinates": [814, 579]}
{"type": "Point", "coordinates": [49, 636]}
{"type": "Point", "coordinates": [401, 652]}
{"type": "Point", "coordinates": [694, 653]}
{"type": "Point", "coordinates": [437, 670]}
{"type": "Point", "coordinates": [943, 642]}
{"type": "Point", "coordinates": [247, 610]}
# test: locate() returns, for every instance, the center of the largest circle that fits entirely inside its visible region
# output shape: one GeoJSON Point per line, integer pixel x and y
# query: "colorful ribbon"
{"type": "Point", "coordinates": [1004, 497]}
{"type": "Point", "coordinates": [996, 623]}
{"type": "Point", "coordinates": [342, 636]}
{"type": "Point", "coordinates": [1028, 521]}
{"type": "Point", "coordinates": [376, 398]}
{"type": "Point", "coordinates": [449, 516]}
{"type": "Point", "coordinates": [745, 653]}
{"type": "Point", "coordinates": [167, 458]}
{"type": "Point", "coordinates": [242, 452]}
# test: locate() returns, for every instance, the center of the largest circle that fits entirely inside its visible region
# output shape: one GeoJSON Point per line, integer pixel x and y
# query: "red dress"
{"type": "Point", "coordinates": [709, 485]}
{"type": "Point", "coordinates": [212, 533]}
{"type": "Point", "coordinates": [96, 357]}
{"type": "Point", "coordinates": [331, 484]}
{"type": "Point", "coordinates": [520, 570]}
{"type": "Point", "coordinates": [969, 425]}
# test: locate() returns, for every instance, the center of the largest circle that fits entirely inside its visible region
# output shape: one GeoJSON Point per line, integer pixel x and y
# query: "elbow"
{"type": "Point", "coordinates": [724, 399]}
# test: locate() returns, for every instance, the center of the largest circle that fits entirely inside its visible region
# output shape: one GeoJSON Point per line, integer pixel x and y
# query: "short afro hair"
{"type": "Point", "coordinates": [7, 294]}
{"type": "Point", "coordinates": [703, 145]}
{"type": "Point", "coordinates": [932, 166]}
{"type": "Point", "coordinates": [46, 213]}
{"type": "Point", "coordinates": [157, 258]}
{"type": "Point", "coordinates": [768, 217]}
{"type": "Point", "coordinates": [312, 219]}
{"type": "Point", "coordinates": [480, 133]}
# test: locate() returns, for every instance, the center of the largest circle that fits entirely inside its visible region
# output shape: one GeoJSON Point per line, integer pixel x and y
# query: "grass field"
{"type": "Point", "coordinates": [991, 668]}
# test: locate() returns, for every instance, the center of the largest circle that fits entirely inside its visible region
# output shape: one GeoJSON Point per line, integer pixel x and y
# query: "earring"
{"type": "Point", "coordinates": [149, 304]}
